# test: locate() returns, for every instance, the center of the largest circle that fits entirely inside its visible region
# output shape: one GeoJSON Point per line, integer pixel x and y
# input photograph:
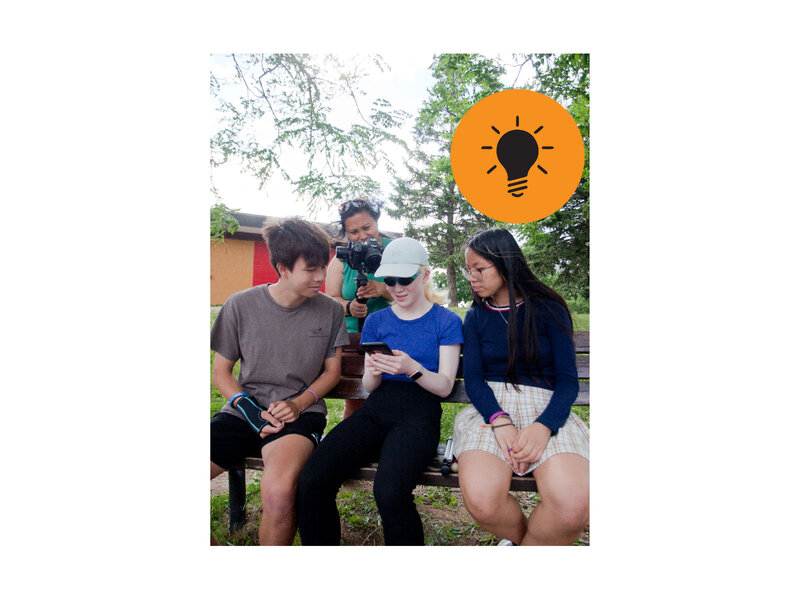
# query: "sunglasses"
{"type": "Point", "coordinates": [345, 206]}
{"type": "Point", "coordinates": [391, 281]}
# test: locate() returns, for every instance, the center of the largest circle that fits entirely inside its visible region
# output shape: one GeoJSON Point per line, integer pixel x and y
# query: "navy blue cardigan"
{"type": "Point", "coordinates": [486, 357]}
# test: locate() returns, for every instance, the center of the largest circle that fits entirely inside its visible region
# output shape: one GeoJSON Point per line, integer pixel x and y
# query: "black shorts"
{"type": "Point", "coordinates": [233, 440]}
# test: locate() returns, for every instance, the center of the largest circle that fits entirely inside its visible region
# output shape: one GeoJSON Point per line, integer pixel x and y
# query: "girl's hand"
{"type": "Point", "coordinates": [370, 366]}
{"type": "Point", "coordinates": [400, 363]}
{"type": "Point", "coordinates": [530, 443]}
{"type": "Point", "coordinates": [505, 436]}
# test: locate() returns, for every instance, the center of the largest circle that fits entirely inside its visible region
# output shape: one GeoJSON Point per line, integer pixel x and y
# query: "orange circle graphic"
{"type": "Point", "coordinates": [517, 156]}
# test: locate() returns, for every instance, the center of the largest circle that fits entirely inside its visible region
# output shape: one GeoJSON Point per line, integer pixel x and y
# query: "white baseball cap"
{"type": "Point", "coordinates": [402, 258]}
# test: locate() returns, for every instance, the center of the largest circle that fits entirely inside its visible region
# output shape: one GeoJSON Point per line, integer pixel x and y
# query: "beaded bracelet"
{"type": "Point", "coordinates": [499, 413]}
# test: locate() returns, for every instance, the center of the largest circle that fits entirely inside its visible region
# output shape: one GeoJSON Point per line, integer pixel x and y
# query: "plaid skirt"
{"type": "Point", "coordinates": [524, 407]}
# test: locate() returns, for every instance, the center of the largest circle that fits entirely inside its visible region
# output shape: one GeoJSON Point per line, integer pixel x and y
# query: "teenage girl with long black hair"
{"type": "Point", "coordinates": [520, 375]}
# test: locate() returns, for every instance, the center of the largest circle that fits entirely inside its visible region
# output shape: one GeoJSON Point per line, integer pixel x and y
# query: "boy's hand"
{"type": "Point", "coordinates": [285, 411]}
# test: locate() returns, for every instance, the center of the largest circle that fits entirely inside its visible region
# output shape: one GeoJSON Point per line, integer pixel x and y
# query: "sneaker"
{"type": "Point", "coordinates": [505, 542]}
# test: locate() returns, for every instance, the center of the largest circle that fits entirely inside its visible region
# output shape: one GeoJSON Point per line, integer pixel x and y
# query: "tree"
{"type": "Point", "coordinates": [222, 222]}
{"type": "Point", "coordinates": [558, 246]}
{"type": "Point", "coordinates": [269, 103]}
{"type": "Point", "coordinates": [428, 199]}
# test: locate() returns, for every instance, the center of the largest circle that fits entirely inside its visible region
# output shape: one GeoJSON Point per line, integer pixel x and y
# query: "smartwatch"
{"type": "Point", "coordinates": [416, 375]}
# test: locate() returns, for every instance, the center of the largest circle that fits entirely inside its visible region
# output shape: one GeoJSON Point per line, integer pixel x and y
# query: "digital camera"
{"type": "Point", "coordinates": [364, 257]}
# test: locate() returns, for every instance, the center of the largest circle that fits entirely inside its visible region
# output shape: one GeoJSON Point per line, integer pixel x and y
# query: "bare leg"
{"type": "Point", "coordinates": [283, 460]}
{"type": "Point", "coordinates": [558, 520]}
{"type": "Point", "coordinates": [485, 480]}
{"type": "Point", "coordinates": [215, 471]}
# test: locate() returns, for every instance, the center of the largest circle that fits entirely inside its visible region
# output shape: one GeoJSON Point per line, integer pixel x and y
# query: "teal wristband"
{"type": "Point", "coordinates": [250, 411]}
{"type": "Point", "coordinates": [235, 396]}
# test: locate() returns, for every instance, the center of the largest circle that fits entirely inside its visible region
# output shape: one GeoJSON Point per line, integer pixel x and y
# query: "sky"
{"type": "Point", "coordinates": [405, 86]}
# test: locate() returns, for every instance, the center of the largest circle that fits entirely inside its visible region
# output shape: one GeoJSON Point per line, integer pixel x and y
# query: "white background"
{"type": "Point", "coordinates": [105, 255]}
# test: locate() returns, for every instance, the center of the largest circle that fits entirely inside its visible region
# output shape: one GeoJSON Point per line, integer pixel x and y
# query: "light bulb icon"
{"type": "Point", "coordinates": [536, 141]}
{"type": "Point", "coordinates": [517, 152]}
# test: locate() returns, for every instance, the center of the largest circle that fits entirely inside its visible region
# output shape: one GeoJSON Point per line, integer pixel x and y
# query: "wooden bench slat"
{"type": "Point", "coordinates": [353, 365]}
{"type": "Point", "coordinates": [431, 476]}
{"type": "Point", "coordinates": [350, 387]}
{"type": "Point", "coordinates": [353, 357]}
{"type": "Point", "coordinates": [581, 341]}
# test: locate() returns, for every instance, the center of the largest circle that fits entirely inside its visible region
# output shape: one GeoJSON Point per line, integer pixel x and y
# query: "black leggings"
{"type": "Point", "coordinates": [398, 425]}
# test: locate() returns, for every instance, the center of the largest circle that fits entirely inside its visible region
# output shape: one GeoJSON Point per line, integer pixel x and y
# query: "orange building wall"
{"type": "Point", "coordinates": [240, 264]}
{"type": "Point", "coordinates": [231, 268]}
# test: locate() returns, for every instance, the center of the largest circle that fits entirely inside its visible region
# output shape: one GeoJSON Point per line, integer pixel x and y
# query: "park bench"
{"type": "Point", "coordinates": [349, 387]}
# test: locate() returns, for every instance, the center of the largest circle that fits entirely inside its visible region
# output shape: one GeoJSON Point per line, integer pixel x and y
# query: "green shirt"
{"type": "Point", "coordinates": [349, 292]}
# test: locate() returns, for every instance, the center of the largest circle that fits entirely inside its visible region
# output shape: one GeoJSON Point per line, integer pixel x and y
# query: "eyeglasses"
{"type": "Point", "coordinates": [476, 274]}
{"type": "Point", "coordinates": [390, 281]}
{"type": "Point", "coordinates": [345, 206]}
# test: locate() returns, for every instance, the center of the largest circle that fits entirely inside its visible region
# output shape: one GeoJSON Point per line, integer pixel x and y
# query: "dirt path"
{"type": "Point", "coordinates": [219, 485]}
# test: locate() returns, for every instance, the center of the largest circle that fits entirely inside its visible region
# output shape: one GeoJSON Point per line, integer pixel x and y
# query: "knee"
{"type": "Point", "coordinates": [389, 494]}
{"type": "Point", "coordinates": [277, 497]}
{"type": "Point", "coordinates": [571, 512]}
{"type": "Point", "coordinates": [482, 504]}
{"type": "Point", "coordinates": [394, 489]}
{"type": "Point", "coordinates": [307, 480]}
{"type": "Point", "coordinates": [315, 482]}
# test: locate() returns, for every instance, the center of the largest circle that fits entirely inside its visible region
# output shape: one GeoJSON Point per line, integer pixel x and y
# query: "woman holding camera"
{"type": "Point", "coordinates": [398, 425]}
{"type": "Point", "coordinates": [359, 219]}
{"type": "Point", "coordinates": [520, 375]}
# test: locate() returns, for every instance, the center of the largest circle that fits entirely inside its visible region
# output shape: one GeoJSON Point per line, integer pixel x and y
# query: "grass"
{"type": "Point", "coordinates": [248, 534]}
{"type": "Point", "coordinates": [580, 321]}
{"type": "Point", "coordinates": [444, 519]}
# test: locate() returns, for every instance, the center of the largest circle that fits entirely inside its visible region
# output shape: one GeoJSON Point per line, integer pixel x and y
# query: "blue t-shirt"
{"type": "Point", "coordinates": [419, 338]}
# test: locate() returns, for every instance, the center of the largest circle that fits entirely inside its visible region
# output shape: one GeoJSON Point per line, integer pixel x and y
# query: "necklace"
{"type": "Point", "coordinates": [500, 311]}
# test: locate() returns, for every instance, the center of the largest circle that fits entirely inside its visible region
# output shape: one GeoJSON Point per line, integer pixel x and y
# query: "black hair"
{"type": "Point", "coordinates": [499, 247]}
{"type": "Point", "coordinates": [355, 206]}
{"type": "Point", "coordinates": [289, 239]}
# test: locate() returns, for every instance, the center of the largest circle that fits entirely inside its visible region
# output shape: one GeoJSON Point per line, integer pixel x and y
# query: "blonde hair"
{"type": "Point", "coordinates": [432, 293]}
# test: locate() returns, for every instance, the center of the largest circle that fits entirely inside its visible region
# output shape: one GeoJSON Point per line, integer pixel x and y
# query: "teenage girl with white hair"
{"type": "Point", "coordinates": [398, 425]}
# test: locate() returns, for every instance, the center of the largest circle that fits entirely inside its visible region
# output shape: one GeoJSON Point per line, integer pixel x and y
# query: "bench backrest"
{"type": "Point", "coordinates": [349, 386]}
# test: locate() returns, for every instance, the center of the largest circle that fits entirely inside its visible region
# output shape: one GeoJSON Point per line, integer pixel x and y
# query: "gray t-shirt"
{"type": "Point", "coordinates": [282, 349]}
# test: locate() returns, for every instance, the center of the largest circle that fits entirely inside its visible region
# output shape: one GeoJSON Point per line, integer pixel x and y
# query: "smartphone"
{"type": "Point", "coordinates": [380, 347]}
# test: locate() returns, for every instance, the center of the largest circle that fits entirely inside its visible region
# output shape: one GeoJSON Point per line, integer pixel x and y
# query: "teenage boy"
{"type": "Point", "coordinates": [288, 337]}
